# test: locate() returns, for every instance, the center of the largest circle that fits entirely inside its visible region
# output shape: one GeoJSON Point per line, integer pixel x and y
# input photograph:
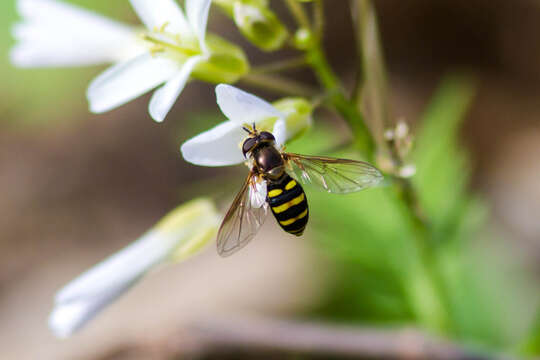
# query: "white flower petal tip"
{"type": "Point", "coordinates": [70, 315]}
{"type": "Point", "coordinates": [23, 56]}
{"type": "Point", "coordinates": [54, 33]}
{"type": "Point", "coordinates": [179, 234]}
{"type": "Point", "coordinates": [65, 319]}
{"type": "Point", "coordinates": [257, 194]}
{"type": "Point", "coordinates": [242, 107]}
{"type": "Point", "coordinates": [165, 97]}
{"type": "Point", "coordinates": [219, 146]}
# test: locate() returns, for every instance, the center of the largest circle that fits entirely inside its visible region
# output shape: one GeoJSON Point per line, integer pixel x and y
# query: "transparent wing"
{"type": "Point", "coordinates": [241, 222]}
{"type": "Point", "coordinates": [339, 176]}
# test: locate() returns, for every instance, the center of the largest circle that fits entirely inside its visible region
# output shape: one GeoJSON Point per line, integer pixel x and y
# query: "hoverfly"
{"type": "Point", "coordinates": [283, 173]}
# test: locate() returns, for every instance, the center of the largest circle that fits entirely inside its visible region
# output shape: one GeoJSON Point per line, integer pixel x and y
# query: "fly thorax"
{"type": "Point", "coordinates": [269, 161]}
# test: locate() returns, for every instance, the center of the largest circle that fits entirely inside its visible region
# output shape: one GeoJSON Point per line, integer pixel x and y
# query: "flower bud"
{"type": "Point", "coordinates": [197, 222]}
{"type": "Point", "coordinates": [298, 114]}
{"type": "Point", "coordinates": [297, 118]}
{"type": "Point", "coordinates": [303, 39]}
{"type": "Point", "coordinates": [260, 25]}
{"type": "Point", "coordinates": [226, 64]}
{"type": "Point", "coordinates": [256, 22]}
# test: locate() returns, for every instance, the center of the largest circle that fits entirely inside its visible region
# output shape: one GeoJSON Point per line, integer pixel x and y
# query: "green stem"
{"type": "Point", "coordinates": [428, 297]}
{"type": "Point", "coordinates": [279, 66]}
{"type": "Point", "coordinates": [429, 300]}
{"type": "Point", "coordinates": [318, 18]}
{"type": "Point", "coordinates": [370, 90]}
{"type": "Point", "coordinates": [297, 10]}
{"type": "Point", "coordinates": [279, 85]}
{"type": "Point", "coordinates": [340, 102]}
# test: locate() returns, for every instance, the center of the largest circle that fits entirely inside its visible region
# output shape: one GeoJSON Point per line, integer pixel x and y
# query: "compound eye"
{"type": "Point", "coordinates": [265, 135]}
{"type": "Point", "coordinates": [249, 143]}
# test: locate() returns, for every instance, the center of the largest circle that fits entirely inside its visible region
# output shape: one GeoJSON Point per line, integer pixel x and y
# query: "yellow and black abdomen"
{"type": "Point", "coordinates": [289, 204]}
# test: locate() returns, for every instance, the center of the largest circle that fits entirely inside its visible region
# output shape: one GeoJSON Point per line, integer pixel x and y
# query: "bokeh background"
{"type": "Point", "coordinates": [75, 187]}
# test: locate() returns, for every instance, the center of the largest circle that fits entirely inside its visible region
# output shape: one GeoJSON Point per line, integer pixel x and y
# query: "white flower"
{"type": "Point", "coordinates": [181, 233]}
{"type": "Point", "coordinates": [57, 34]}
{"type": "Point", "coordinates": [221, 145]}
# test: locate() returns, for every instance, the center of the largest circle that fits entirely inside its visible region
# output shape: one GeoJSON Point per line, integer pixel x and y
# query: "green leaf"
{"type": "Point", "coordinates": [366, 238]}
{"type": "Point", "coordinates": [442, 165]}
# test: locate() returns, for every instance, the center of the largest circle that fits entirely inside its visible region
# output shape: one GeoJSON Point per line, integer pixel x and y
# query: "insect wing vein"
{"type": "Point", "coordinates": [334, 175]}
{"type": "Point", "coordinates": [241, 222]}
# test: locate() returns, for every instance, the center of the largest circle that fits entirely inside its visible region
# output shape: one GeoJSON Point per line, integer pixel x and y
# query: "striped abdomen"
{"type": "Point", "coordinates": [289, 204]}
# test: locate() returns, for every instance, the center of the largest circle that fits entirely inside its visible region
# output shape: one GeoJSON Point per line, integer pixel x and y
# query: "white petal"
{"type": "Point", "coordinates": [81, 299]}
{"type": "Point", "coordinates": [165, 97]}
{"type": "Point", "coordinates": [184, 229]}
{"type": "Point", "coordinates": [197, 14]}
{"type": "Point", "coordinates": [280, 132]}
{"type": "Point", "coordinates": [122, 268]}
{"type": "Point", "coordinates": [219, 146]}
{"type": "Point", "coordinates": [156, 13]}
{"type": "Point", "coordinates": [70, 316]}
{"type": "Point", "coordinates": [258, 194]}
{"type": "Point", "coordinates": [242, 107]}
{"type": "Point", "coordinates": [54, 33]}
{"type": "Point", "coordinates": [126, 81]}
{"type": "Point", "coordinates": [58, 13]}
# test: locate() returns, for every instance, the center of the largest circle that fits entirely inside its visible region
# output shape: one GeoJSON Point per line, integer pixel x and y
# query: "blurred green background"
{"type": "Point", "coordinates": [76, 187]}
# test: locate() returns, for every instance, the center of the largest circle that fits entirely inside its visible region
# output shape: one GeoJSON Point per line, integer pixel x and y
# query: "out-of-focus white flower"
{"type": "Point", "coordinates": [173, 47]}
{"type": "Point", "coordinates": [53, 33]}
{"type": "Point", "coordinates": [221, 145]}
{"type": "Point", "coordinates": [178, 45]}
{"type": "Point", "coordinates": [407, 171]}
{"type": "Point", "coordinates": [178, 235]}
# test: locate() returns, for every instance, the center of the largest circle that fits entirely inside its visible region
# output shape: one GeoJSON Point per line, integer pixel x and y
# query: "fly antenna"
{"type": "Point", "coordinates": [254, 129]}
{"type": "Point", "coordinates": [246, 129]}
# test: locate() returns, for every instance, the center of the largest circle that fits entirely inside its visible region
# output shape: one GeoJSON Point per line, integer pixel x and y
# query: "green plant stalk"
{"type": "Point", "coordinates": [318, 18]}
{"type": "Point", "coordinates": [429, 299]}
{"type": "Point", "coordinates": [337, 99]}
{"type": "Point", "coordinates": [278, 66]}
{"type": "Point", "coordinates": [279, 84]}
{"type": "Point", "coordinates": [297, 10]}
{"type": "Point", "coordinates": [432, 308]}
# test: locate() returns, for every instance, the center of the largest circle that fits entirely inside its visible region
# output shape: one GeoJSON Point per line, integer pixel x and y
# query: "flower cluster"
{"type": "Point", "coordinates": [170, 48]}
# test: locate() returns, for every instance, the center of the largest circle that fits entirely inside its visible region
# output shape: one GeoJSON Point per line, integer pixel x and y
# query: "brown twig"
{"type": "Point", "coordinates": [250, 339]}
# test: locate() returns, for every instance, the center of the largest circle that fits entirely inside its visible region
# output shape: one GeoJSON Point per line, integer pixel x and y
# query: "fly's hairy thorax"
{"type": "Point", "coordinates": [268, 161]}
